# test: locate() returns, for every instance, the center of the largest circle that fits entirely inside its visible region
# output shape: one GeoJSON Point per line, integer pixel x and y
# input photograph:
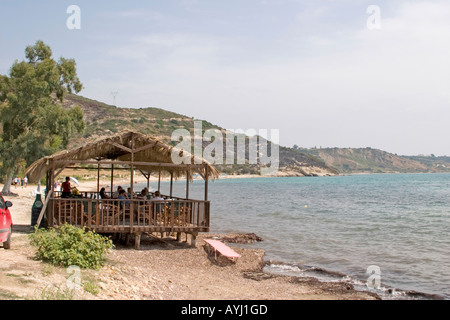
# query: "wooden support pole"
{"type": "Point", "coordinates": [52, 179]}
{"type": "Point", "coordinates": [193, 239]}
{"type": "Point", "coordinates": [187, 185]}
{"type": "Point", "coordinates": [132, 186]}
{"type": "Point", "coordinates": [112, 178]}
{"type": "Point", "coordinates": [47, 183]}
{"type": "Point", "coordinates": [137, 241]}
{"type": "Point", "coordinates": [159, 181]}
{"type": "Point", "coordinates": [171, 184]}
{"type": "Point", "coordinates": [206, 183]}
{"type": "Point", "coordinates": [132, 181]}
{"type": "Point", "coordinates": [98, 179]}
{"type": "Point", "coordinates": [51, 195]}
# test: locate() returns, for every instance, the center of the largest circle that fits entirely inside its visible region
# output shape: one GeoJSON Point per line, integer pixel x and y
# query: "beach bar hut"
{"type": "Point", "coordinates": [136, 153]}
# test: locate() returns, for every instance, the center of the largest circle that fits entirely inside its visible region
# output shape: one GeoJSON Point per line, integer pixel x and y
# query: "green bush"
{"type": "Point", "coordinates": [69, 245]}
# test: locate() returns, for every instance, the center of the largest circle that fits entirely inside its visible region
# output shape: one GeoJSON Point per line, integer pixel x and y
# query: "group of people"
{"type": "Point", "coordinates": [20, 182]}
{"type": "Point", "coordinates": [124, 195]}
{"type": "Point", "coordinates": [67, 191]}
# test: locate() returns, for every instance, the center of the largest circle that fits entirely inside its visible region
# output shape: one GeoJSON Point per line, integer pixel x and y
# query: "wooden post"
{"type": "Point", "coordinates": [98, 179]}
{"type": "Point", "coordinates": [46, 194]}
{"type": "Point", "coordinates": [137, 241]}
{"type": "Point", "coordinates": [89, 213]}
{"type": "Point", "coordinates": [112, 178]}
{"type": "Point", "coordinates": [132, 186]}
{"type": "Point", "coordinates": [159, 181]}
{"type": "Point", "coordinates": [206, 183]}
{"type": "Point", "coordinates": [52, 179]}
{"type": "Point", "coordinates": [187, 185]}
{"type": "Point", "coordinates": [171, 184]}
{"type": "Point", "coordinates": [193, 238]}
{"type": "Point", "coordinates": [50, 194]}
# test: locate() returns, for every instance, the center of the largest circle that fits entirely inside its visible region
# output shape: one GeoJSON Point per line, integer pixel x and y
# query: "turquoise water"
{"type": "Point", "coordinates": [344, 224]}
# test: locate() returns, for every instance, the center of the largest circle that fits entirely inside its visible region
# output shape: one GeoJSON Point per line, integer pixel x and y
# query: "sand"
{"type": "Point", "coordinates": [163, 269]}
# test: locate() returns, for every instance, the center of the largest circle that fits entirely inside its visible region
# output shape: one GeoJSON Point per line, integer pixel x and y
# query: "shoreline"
{"type": "Point", "coordinates": [167, 270]}
{"type": "Point", "coordinates": [253, 270]}
{"type": "Point", "coordinates": [325, 275]}
{"type": "Point", "coordinates": [91, 184]}
{"type": "Point", "coordinates": [162, 270]}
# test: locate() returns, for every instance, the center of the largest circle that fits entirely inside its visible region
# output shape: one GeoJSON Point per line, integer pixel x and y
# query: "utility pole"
{"type": "Point", "coordinates": [114, 94]}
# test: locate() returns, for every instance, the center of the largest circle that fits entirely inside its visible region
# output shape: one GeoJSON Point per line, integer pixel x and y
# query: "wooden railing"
{"type": "Point", "coordinates": [131, 215]}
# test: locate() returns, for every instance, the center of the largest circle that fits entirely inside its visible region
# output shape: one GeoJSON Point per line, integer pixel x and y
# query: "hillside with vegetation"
{"type": "Point", "coordinates": [432, 162]}
{"type": "Point", "coordinates": [369, 160]}
{"type": "Point", "coordinates": [103, 120]}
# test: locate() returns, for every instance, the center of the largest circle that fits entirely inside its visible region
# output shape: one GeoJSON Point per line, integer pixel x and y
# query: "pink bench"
{"type": "Point", "coordinates": [222, 248]}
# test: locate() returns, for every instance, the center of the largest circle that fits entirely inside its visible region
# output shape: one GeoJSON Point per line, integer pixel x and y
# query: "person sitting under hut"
{"type": "Point", "coordinates": [66, 188]}
{"type": "Point", "coordinates": [130, 196]}
{"type": "Point", "coordinates": [116, 194]}
{"type": "Point", "coordinates": [157, 196]}
{"type": "Point", "coordinates": [143, 194]}
{"type": "Point", "coordinates": [103, 194]}
{"type": "Point", "coordinates": [123, 196]}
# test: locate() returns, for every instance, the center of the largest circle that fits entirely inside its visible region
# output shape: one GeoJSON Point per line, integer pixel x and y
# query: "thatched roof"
{"type": "Point", "coordinates": [150, 155]}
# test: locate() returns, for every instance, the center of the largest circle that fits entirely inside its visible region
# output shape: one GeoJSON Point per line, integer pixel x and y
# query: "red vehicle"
{"type": "Point", "coordinates": [5, 223]}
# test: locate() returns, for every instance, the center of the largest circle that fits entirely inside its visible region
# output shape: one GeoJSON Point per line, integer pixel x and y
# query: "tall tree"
{"type": "Point", "coordinates": [34, 122]}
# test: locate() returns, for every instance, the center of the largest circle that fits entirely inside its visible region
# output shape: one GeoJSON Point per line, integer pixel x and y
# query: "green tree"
{"type": "Point", "coordinates": [34, 122]}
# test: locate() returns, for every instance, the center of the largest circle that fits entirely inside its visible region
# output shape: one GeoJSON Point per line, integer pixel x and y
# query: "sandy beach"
{"type": "Point", "coordinates": [163, 269]}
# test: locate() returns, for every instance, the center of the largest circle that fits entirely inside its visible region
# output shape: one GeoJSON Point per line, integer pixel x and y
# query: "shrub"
{"type": "Point", "coordinates": [69, 245]}
{"type": "Point", "coordinates": [91, 287]}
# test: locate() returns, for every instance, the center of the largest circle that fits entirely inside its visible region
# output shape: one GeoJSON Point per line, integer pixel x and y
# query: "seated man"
{"type": "Point", "coordinates": [142, 194]}
{"type": "Point", "coordinates": [157, 196]}
{"type": "Point", "coordinates": [116, 194]}
{"type": "Point", "coordinates": [123, 195]}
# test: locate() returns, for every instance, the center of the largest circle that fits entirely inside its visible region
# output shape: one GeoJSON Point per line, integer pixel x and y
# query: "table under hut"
{"type": "Point", "coordinates": [138, 214]}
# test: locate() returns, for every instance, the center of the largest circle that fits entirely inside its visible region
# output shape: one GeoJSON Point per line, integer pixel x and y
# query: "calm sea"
{"type": "Point", "coordinates": [335, 228]}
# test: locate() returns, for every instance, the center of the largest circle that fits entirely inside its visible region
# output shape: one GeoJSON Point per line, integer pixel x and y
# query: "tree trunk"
{"type": "Point", "coordinates": [7, 186]}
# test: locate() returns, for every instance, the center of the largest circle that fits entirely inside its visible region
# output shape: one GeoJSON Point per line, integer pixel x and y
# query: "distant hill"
{"type": "Point", "coordinates": [103, 120]}
{"type": "Point", "coordinates": [368, 160]}
{"type": "Point", "coordinates": [433, 163]}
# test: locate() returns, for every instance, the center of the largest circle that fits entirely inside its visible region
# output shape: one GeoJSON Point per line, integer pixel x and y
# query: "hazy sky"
{"type": "Point", "coordinates": [313, 69]}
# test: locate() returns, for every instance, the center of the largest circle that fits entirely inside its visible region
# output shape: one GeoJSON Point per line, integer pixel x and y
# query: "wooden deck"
{"type": "Point", "coordinates": [134, 216]}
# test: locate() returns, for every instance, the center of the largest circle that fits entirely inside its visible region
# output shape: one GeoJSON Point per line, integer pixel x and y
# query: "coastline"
{"type": "Point", "coordinates": [162, 270]}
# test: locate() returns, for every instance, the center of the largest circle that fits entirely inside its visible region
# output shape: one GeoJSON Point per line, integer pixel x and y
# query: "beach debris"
{"type": "Point", "coordinates": [258, 275]}
{"type": "Point", "coordinates": [239, 238]}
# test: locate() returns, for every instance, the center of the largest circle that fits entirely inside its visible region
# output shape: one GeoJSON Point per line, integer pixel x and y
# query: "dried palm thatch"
{"type": "Point", "coordinates": [145, 152]}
